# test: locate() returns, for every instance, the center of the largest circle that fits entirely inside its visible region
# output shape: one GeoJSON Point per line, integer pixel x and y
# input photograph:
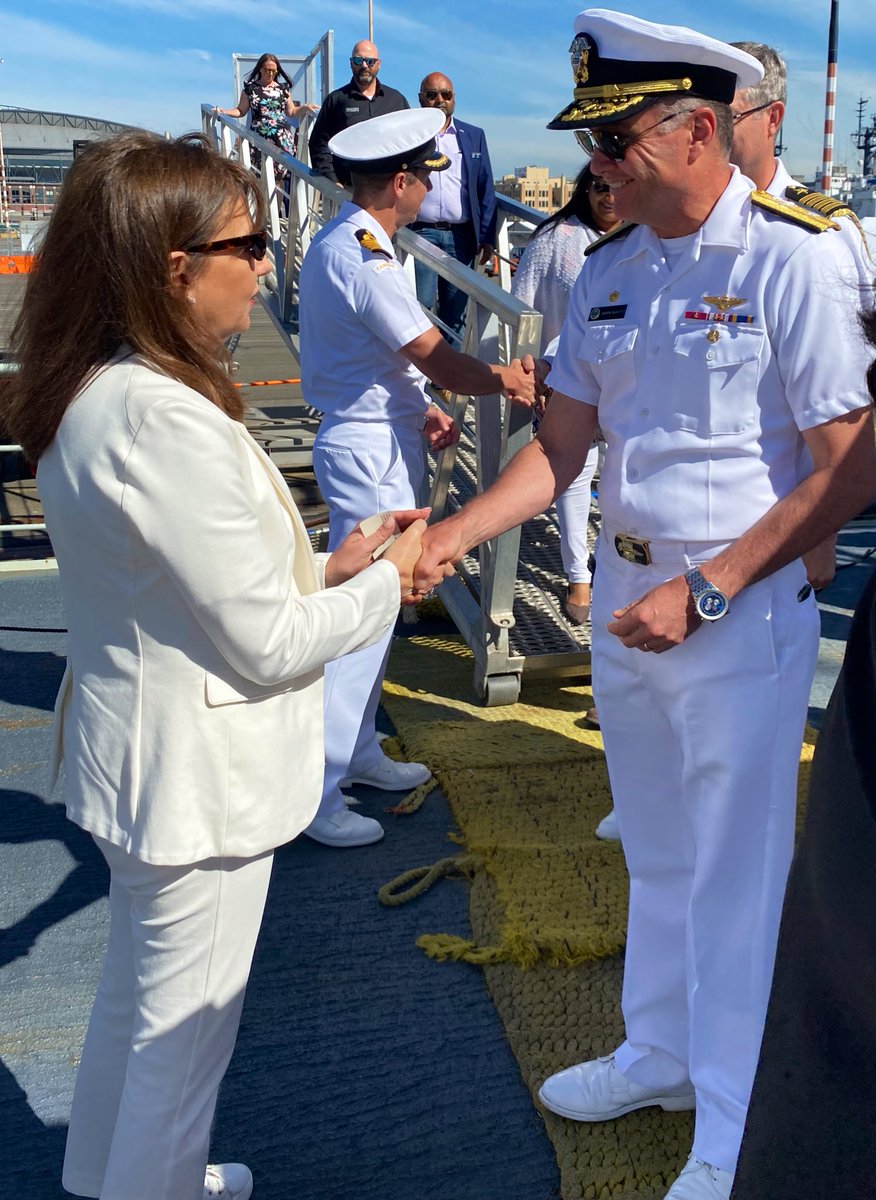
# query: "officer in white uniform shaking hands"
{"type": "Point", "coordinates": [367, 349]}
{"type": "Point", "coordinates": [697, 335]}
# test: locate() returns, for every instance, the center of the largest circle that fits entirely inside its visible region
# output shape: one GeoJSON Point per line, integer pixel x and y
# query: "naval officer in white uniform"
{"type": "Point", "coordinates": [697, 337]}
{"type": "Point", "coordinates": [758, 113]}
{"type": "Point", "coordinates": [367, 348]}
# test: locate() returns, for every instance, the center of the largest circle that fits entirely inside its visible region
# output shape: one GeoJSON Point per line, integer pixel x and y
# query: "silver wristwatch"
{"type": "Point", "coordinates": [710, 603]}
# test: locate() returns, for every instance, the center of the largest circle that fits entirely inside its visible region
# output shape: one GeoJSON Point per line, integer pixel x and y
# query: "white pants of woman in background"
{"type": "Point", "coordinates": [573, 516]}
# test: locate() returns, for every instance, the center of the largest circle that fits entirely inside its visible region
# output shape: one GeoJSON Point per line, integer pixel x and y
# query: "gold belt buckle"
{"type": "Point", "coordinates": [632, 550]}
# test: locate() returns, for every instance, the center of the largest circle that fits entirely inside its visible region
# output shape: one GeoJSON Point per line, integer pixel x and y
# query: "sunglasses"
{"type": "Point", "coordinates": [434, 93]}
{"type": "Point", "coordinates": [600, 187]}
{"type": "Point", "coordinates": [615, 145]}
{"type": "Point", "coordinates": [255, 244]}
{"type": "Point", "coordinates": [749, 111]}
{"type": "Point", "coordinates": [357, 60]}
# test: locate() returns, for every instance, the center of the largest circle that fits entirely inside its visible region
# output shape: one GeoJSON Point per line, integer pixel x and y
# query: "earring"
{"type": "Point", "coordinates": [190, 298]}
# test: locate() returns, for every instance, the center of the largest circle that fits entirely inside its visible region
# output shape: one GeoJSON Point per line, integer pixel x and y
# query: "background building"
{"type": "Point", "coordinates": [536, 187]}
{"type": "Point", "coordinates": [36, 151]}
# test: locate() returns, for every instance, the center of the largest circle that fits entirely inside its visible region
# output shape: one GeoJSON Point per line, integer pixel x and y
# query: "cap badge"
{"type": "Point", "coordinates": [724, 303]}
{"type": "Point", "coordinates": [579, 52]}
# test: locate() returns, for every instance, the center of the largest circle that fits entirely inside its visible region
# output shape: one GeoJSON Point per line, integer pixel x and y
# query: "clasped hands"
{"type": "Point", "coordinates": [664, 617]}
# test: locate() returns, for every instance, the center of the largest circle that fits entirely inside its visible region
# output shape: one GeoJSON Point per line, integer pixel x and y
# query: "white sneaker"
{"type": "Point", "coordinates": [701, 1181]}
{"type": "Point", "coordinates": [391, 776]}
{"type": "Point", "coordinates": [344, 828]}
{"type": "Point", "coordinates": [597, 1091]}
{"type": "Point", "coordinates": [227, 1181]}
{"type": "Point", "coordinates": [608, 829]}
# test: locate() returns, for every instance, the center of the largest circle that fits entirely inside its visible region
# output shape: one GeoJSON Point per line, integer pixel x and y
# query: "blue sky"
{"type": "Point", "coordinates": [152, 62]}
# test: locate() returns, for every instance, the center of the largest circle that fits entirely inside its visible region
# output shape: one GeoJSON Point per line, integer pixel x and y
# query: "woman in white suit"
{"type": "Point", "coordinates": [200, 622]}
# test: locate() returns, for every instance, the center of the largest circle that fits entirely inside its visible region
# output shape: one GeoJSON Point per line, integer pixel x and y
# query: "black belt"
{"type": "Point", "coordinates": [438, 225]}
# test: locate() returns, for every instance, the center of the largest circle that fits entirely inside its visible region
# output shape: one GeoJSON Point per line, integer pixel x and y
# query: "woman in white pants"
{"type": "Point", "coordinates": [200, 622]}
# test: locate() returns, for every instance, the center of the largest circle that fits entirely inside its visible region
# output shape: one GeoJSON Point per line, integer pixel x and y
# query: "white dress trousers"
{"type": "Point", "coordinates": [363, 468]}
{"type": "Point", "coordinates": [703, 744]}
{"type": "Point", "coordinates": [164, 1024]}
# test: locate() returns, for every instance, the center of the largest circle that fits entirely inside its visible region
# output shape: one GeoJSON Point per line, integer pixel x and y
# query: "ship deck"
{"type": "Point", "coordinates": [362, 1067]}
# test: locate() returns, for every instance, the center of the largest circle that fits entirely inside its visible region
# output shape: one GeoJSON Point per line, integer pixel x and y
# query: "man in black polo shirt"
{"type": "Point", "coordinates": [363, 97]}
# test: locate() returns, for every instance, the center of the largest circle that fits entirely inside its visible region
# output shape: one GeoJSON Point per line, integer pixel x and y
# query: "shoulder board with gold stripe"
{"type": "Point", "coordinates": [828, 207]}
{"type": "Point", "coordinates": [818, 202]}
{"type": "Point", "coordinates": [793, 212]}
{"type": "Point", "coordinates": [368, 241]}
{"type": "Point", "coordinates": [610, 236]}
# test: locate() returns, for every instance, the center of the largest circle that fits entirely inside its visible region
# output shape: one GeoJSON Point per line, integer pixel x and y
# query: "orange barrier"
{"type": "Point", "coordinates": [266, 382]}
{"type": "Point", "coordinates": [15, 264]}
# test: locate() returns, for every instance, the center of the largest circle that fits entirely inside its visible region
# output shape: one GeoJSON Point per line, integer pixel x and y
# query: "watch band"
{"type": "Point", "coordinates": [711, 603]}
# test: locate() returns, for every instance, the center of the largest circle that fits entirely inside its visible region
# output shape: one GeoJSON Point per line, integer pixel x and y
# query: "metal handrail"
{"type": "Point", "coordinates": [498, 328]}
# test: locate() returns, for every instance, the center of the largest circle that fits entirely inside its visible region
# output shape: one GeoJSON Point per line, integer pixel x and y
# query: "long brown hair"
{"type": "Point", "coordinates": [102, 276]}
{"type": "Point", "coordinates": [255, 73]}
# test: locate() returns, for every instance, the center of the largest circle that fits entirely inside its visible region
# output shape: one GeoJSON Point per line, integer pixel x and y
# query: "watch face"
{"type": "Point", "coordinates": [712, 605]}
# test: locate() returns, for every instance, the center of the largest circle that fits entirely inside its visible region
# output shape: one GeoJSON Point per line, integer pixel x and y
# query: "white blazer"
{"type": "Point", "coordinates": [190, 718]}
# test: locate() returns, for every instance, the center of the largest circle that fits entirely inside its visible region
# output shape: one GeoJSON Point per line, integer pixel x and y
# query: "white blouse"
{"type": "Point", "coordinates": [547, 272]}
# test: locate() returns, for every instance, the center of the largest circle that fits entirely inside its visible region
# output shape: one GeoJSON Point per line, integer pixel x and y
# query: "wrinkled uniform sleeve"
{"type": "Point", "coordinates": [384, 301]}
{"type": "Point", "coordinates": [811, 309]}
{"type": "Point", "coordinates": [184, 460]}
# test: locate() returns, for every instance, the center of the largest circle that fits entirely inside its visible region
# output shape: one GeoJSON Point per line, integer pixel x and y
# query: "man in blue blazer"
{"type": "Point", "coordinates": [459, 214]}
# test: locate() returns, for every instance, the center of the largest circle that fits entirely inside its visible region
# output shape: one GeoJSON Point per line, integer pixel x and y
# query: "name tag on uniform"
{"type": "Point", "coordinates": [613, 312]}
{"type": "Point", "coordinates": [353, 109]}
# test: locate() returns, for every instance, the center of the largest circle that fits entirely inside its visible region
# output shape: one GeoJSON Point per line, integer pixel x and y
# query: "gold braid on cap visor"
{"type": "Point", "coordinates": [611, 98]}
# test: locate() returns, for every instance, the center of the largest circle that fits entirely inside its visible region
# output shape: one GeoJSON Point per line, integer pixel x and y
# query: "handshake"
{"type": "Point", "coordinates": [422, 556]}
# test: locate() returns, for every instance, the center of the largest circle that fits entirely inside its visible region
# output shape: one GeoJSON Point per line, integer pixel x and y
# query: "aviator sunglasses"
{"type": "Point", "coordinates": [615, 145]}
{"type": "Point", "coordinates": [255, 244]}
{"type": "Point", "coordinates": [434, 93]}
{"type": "Point", "coordinates": [357, 60]}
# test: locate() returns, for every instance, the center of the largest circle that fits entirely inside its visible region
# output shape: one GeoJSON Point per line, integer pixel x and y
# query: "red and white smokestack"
{"type": "Point", "coordinates": [830, 100]}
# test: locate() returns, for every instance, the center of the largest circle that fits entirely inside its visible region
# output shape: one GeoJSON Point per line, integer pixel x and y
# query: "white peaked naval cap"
{"type": "Point", "coordinates": [621, 64]}
{"type": "Point", "coordinates": [397, 141]}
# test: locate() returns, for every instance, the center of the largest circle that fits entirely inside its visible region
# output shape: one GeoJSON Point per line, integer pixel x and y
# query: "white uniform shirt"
{"type": "Point", "coordinates": [703, 437]}
{"type": "Point", "coordinates": [850, 232]}
{"type": "Point", "coordinates": [547, 271]}
{"type": "Point", "coordinates": [357, 311]}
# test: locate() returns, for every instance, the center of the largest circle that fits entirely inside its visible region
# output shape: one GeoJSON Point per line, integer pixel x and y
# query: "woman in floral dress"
{"type": "Point", "coordinates": [267, 94]}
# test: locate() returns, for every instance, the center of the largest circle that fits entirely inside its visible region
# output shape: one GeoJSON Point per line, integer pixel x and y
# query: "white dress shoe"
{"type": "Point", "coordinates": [701, 1181]}
{"type": "Point", "coordinates": [597, 1091]}
{"type": "Point", "coordinates": [344, 828]}
{"type": "Point", "coordinates": [227, 1181]}
{"type": "Point", "coordinates": [608, 829]}
{"type": "Point", "coordinates": [391, 776]}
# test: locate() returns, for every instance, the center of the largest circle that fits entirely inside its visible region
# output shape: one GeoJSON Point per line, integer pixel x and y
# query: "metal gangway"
{"type": "Point", "coordinates": [506, 597]}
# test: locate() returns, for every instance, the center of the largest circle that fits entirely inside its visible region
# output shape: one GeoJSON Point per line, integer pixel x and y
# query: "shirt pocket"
{"type": "Point", "coordinates": [608, 351]}
{"type": "Point", "coordinates": [714, 391]}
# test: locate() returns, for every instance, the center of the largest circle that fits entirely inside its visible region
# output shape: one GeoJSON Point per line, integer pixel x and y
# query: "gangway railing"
{"type": "Point", "coordinates": [505, 597]}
